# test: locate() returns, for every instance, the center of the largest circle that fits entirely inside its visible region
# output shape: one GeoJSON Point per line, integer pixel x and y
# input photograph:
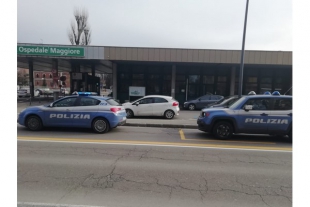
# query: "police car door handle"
{"type": "Point", "coordinates": [263, 114]}
{"type": "Point", "coordinates": [290, 114]}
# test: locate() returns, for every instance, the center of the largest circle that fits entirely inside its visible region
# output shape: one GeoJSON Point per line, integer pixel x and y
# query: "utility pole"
{"type": "Point", "coordinates": [242, 52]}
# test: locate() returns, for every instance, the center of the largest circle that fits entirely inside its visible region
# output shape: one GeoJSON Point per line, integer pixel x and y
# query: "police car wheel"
{"type": "Point", "coordinates": [223, 130]}
{"type": "Point", "coordinates": [34, 123]}
{"type": "Point", "coordinates": [191, 107]}
{"type": "Point", "coordinates": [129, 113]}
{"type": "Point", "coordinates": [100, 125]}
{"type": "Point", "coordinates": [169, 114]}
{"type": "Point", "coordinates": [290, 135]}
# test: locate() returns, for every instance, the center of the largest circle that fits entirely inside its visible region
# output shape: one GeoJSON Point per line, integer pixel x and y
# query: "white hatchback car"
{"type": "Point", "coordinates": [153, 105]}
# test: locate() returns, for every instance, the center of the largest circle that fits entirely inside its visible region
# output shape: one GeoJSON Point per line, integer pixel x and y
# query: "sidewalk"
{"type": "Point", "coordinates": [189, 122]}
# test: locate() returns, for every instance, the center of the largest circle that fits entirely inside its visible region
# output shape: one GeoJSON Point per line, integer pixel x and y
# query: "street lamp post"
{"type": "Point", "coordinates": [242, 52]}
{"type": "Point", "coordinates": [86, 35]}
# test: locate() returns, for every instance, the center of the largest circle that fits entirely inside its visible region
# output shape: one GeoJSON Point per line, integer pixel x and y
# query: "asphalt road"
{"type": "Point", "coordinates": [131, 166]}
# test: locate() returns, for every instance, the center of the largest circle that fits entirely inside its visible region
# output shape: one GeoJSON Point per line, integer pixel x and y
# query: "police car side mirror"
{"type": "Point", "coordinates": [50, 105]}
{"type": "Point", "coordinates": [248, 107]}
{"type": "Point", "coordinates": [137, 104]}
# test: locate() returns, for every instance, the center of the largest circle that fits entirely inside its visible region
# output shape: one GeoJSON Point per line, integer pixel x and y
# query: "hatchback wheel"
{"type": "Point", "coordinates": [192, 107]}
{"type": "Point", "coordinates": [169, 114]}
{"type": "Point", "coordinates": [223, 130]}
{"type": "Point", "coordinates": [129, 113]}
{"type": "Point", "coordinates": [100, 125]}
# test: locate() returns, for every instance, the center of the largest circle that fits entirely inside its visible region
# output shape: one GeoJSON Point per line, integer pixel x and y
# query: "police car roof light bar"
{"type": "Point", "coordinates": [276, 93]}
{"type": "Point", "coordinates": [85, 93]}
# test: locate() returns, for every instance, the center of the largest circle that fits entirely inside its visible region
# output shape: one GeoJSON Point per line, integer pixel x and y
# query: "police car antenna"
{"type": "Point", "coordinates": [288, 90]}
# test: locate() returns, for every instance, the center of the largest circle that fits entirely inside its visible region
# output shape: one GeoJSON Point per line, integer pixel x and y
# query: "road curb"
{"type": "Point", "coordinates": [185, 126]}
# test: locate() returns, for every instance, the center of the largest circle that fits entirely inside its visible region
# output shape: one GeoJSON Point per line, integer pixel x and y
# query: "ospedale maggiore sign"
{"type": "Point", "coordinates": [51, 51]}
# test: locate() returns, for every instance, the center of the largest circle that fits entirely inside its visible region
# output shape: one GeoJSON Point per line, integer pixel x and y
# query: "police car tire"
{"type": "Point", "coordinates": [34, 123]}
{"type": "Point", "coordinates": [169, 114]}
{"type": "Point", "coordinates": [99, 121]}
{"type": "Point", "coordinates": [191, 107]}
{"type": "Point", "coordinates": [290, 135]}
{"type": "Point", "coordinates": [223, 124]}
{"type": "Point", "coordinates": [130, 113]}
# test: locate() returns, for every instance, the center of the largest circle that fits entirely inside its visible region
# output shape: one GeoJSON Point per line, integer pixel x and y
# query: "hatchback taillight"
{"type": "Point", "coordinates": [175, 104]}
{"type": "Point", "coordinates": [114, 110]}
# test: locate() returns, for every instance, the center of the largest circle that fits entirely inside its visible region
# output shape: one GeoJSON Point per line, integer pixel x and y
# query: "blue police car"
{"type": "Point", "coordinates": [83, 110]}
{"type": "Point", "coordinates": [252, 114]}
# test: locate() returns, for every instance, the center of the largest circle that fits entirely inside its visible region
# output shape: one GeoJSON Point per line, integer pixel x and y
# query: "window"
{"type": "Point", "coordinates": [180, 78]}
{"type": "Point", "coordinates": [137, 83]}
{"type": "Point", "coordinates": [221, 78]}
{"type": "Point", "coordinates": [88, 101]}
{"type": "Point", "coordinates": [251, 80]}
{"type": "Point", "coordinates": [153, 87]}
{"type": "Point", "coordinates": [138, 76]}
{"type": "Point", "coordinates": [112, 102]}
{"type": "Point", "coordinates": [51, 76]}
{"type": "Point", "coordinates": [44, 75]}
{"type": "Point", "coordinates": [258, 103]}
{"type": "Point", "coordinates": [160, 100]}
{"type": "Point", "coordinates": [153, 76]}
{"type": "Point", "coordinates": [154, 69]}
{"type": "Point", "coordinates": [124, 76]}
{"type": "Point", "coordinates": [146, 101]}
{"type": "Point", "coordinates": [205, 97]}
{"type": "Point", "coordinates": [138, 69]}
{"type": "Point", "coordinates": [207, 79]}
{"type": "Point", "coordinates": [283, 104]}
{"type": "Point", "coordinates": [167, 77]}
{"type": "Point", "coordinates": [216, 97]}
{"type": "Point", "coordinates": [194, 78]}
{"type": "Point", "coordinates": [37, 75]}
{"type": "Point", "coordinates": [66, 102]}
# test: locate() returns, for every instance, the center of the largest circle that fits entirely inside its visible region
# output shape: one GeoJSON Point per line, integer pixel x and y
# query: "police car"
{"type": "Point", "coordinates": [84, 109]}
{"type": "Point", "coordinates": [252, 114]}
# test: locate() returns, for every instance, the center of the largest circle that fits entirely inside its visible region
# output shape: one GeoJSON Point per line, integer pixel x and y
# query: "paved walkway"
{"type": "Point", "coordinates": [189, 121]}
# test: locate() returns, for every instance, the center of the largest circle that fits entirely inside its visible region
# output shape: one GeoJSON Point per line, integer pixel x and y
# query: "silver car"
{"type": "Point", "coordinates": [202, 102]}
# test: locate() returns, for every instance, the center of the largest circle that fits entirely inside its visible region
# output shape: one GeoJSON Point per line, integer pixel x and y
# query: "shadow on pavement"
{"type": "Point", "coordinates": [240, 137]}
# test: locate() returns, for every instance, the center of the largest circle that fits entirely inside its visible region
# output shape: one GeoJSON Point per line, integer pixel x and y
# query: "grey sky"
{"type": "Point", "coordinates": [207, 24]}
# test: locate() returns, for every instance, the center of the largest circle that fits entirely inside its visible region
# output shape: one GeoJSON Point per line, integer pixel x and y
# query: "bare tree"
{"type": "Point", "coordinates": [79, 32]}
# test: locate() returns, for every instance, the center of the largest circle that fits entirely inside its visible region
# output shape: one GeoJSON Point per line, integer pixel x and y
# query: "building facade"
{"type": "Point", "coordinates": [181, 73]}
{"type": "Point", "coordinates": [189, 73]}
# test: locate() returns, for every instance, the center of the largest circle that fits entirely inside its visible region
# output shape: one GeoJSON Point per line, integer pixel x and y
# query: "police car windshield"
{"type": "Point", "coordinates": [112, 102]}
{"type": "Point", "coordinates": [237, 102]}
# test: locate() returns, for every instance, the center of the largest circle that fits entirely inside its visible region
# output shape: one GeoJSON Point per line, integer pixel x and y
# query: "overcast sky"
{"type": "Point", "coordinates": [204, 24]}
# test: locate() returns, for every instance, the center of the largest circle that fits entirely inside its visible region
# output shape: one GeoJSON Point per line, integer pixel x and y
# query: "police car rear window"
{"type": "Point", "coordinates": [112, 102]}
{"type": "Point", "coordinates": [85, 101]}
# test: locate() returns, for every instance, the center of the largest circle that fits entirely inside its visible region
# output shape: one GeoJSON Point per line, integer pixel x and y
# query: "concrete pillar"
{"type": "Point", "coordinates": [232, 81]}
{"type": "Point", "coordinates": [55, 73]}
{"type": "Point", "coordinates": [173, 81]}
{"type": "Point", "coordinates": [93, 70]}
{"type": "Point", "coordinates": [114, 74]}
{"type": "Point", "coordinates": [31, 83]}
